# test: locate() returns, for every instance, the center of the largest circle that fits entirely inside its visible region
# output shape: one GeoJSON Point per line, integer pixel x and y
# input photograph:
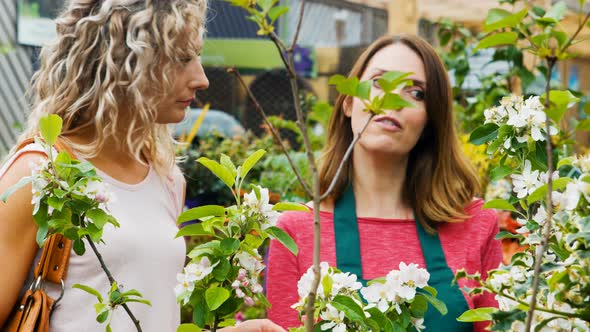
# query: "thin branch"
{"type": "Point", "coordinates": [580, 27]}
{"type": "Point", "coordinates": [282, 50]}
{"type": "Point", "coordinates": [561, 313]}
{"type": "Point", "coordinates": [545, 241]}
{"type": "Point", "coordinates": [301, 12]}
{"type": "Point", "coordinates": [346, 156]}
{"type": "Point", "coordinates": [273, 130]}
{"type": "Point", "coordinates": [112, 280]}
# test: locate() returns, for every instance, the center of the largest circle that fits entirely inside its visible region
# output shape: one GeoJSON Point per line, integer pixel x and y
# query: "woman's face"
{"type": "Point", "coordinates": [187, 78]}
{"type": "Point", "coordinates": [395, 132]}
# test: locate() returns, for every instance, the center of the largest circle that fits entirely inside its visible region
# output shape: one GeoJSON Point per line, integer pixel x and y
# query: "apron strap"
{"type": "Point", "coordinates": [348, 259]}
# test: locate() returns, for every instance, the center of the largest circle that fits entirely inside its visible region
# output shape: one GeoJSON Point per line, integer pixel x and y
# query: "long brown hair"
{"type": "Point", "coordinates": [439, 182]}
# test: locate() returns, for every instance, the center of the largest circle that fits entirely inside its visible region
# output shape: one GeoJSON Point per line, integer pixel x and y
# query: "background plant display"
{"type": "Point", "coordinates": [70, 199]}
{"type": "Point", "coordinates": [547, 286]}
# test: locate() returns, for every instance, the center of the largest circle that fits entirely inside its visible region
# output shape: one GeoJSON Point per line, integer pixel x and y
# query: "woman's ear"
{"type": "Point", "coordinates": [347, 106]}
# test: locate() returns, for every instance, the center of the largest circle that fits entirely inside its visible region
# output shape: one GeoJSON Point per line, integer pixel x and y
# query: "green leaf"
{"type": "Point", "coordinates": [507, 235]}
{"type": "Point", "coordinates": [193, 230]}
{"type": "Point", "coordinates": [541, 192]}
{"type": "Point", "coordinates": [350, 308]}
{"type": "Point", "coordinates": [89, 290]}
{"type": "Point", "coordinates": [499, 172]}
{"type": "Point", "coordinates": [377, 316]}
{"type": "Point", "coordinates": [284, 238]}
{"type": "Point", "coordinates": [215, 296]}
{"type": "Point", "coordinates": [222, 269]}
{"type": "Point", "coordinates": [560, 102]}
{"type": "Point", "coordinates": [228, 164]}
{"type": "Point", "coordinates": [430, 290]}
{"type": "Point", "coordinates": [50, 128]}
{"type": "Point", "coordinates": [285, 206]}
{"type": "Point", "coordinates": [275, 12]}
{"type": "Point", "coordinates": [103, 316]}
{"type": "Point", "coordinates": [477, 315]}
{"type": "Point", "coordinates": [201, 212]}
{"type": "Point", "coordinates": [229, 246]}
{"type": "Point", "coordinates": [557, 11]}
{"type": "Point", "coordinates": [336, 79]}
{"type": "Point", "coordinates": [500, 18]}
{"type": "Point", "coordinates": [327, 283]}
{"type": "Point", "coordinates": [584, 125]}
{"type": "Point", "coordinates": [21, 183]}
{"type": "Point", "coordinates": [250, 162]}
{"type": "Point", "coordinates": [79, 247]}
{"type": "Point", "coordinates": [484, 134]}
{"type": "Point", "coordinates": [419, 306]}
{"type": "Point", "coordinates": [502, 38]}
{"type": "Point", "coordinates": [348, 87]}
{"type": "Point", "coordinates": [564, 162]}
{"type": "Point", "coordinates": [363, 90]}
{"type": "Point", "coordinates": [200, 310]}
{"type": "Point", "coordinates": [219, 171]}
{"type": "Point", "coordinates": [265, 5]}
{"type": "Point", "coordinates": [393, 101]}
{"type": "Point", "coordinates": [397, 327]}
{"type": "Point", "coordinates": [98, 217]}
{"type": "Point", "coordinates": [436, 303]}
{"type": "Point", "coordinates": [42, 232]}
{"type": "Point", "coordinates": [500, 204]}
{"type": "Point", "coordinates": [188, 328]}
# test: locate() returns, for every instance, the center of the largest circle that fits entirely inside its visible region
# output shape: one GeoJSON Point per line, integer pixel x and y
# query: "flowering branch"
{"type": "Point", "coordinates": [547, 234]}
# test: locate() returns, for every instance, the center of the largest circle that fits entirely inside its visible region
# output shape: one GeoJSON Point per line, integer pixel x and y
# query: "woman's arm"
{"type": "Point", "coordinates": [17, 233]}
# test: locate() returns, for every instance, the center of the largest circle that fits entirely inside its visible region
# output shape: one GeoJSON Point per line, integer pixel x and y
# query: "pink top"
{"type": "Point", "coordinates": [384, 244]}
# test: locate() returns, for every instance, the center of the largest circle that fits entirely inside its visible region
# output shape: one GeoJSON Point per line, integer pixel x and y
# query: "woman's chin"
{"type": "Point", "coordinates": [174, 116]}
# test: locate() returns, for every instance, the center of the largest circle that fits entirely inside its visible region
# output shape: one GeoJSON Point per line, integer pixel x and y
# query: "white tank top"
{"type": "Point", "coordinates": [142, 254]}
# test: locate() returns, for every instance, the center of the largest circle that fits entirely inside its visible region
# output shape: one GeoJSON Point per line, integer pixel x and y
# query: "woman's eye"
{"type": "Point", "coordinates": [376, 82]}
{"type": "Point", "coordinates": [186, 60]}
{"type": "Point", "coordinates": [417, 94]}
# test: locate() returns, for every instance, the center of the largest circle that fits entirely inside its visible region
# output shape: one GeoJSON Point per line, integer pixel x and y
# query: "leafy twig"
{"type": "Point", "coordinates": [111, 280]}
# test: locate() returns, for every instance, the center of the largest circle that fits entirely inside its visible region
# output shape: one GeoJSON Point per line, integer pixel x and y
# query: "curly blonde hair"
{"type": "Point", "coordinates": [112, 61]}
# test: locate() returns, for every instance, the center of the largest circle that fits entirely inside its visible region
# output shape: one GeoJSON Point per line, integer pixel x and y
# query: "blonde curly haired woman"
{"type": "Point", "coordinates": [119, 72]}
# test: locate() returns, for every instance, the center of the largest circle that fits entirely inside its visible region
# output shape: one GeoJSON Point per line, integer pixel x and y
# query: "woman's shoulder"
{"type": "Point", "coordinates": [477, 213]}
{"type": "Point", "coordinates": [479, 220]}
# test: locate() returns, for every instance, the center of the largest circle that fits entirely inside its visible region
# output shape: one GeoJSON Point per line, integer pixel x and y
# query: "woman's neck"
{"type": "Point", "coordinates": [378, 184]}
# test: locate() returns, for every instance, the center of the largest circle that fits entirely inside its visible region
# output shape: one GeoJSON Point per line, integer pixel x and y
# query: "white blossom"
{"type": "Point", "coordinates": [251, 264]}
{"type": "Point", "coordinates": [334, 318]}
{"type": "Point", "coordinates": [262, 206]}
{"type": "Point", "coordinates": [527, 182]}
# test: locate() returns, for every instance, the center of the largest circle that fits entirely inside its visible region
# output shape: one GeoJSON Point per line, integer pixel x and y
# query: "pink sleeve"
{"type": "Point", "coordinates": [281, 281]}
{"type": "Point", "coordinates": [491, 259]}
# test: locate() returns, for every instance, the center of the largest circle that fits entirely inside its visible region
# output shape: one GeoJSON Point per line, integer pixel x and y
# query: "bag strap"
{"type": "Point", "coordinates": [53, 264]}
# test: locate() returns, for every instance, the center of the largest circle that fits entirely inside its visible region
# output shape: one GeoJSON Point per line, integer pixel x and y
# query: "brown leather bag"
{"type": "Point", "coordinates": [33, 312]}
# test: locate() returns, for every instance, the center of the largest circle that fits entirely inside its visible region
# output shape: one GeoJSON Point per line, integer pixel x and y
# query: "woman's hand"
{"type": "Point", "coordinates": [255, 325]}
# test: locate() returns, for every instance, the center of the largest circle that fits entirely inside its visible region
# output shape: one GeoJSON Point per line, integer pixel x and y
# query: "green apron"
{"type": "Point", "coordinates": [348, 259]}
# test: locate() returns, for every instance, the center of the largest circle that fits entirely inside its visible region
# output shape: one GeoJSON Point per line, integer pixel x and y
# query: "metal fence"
{"type": "Point", "coordinates": [15, 73]}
